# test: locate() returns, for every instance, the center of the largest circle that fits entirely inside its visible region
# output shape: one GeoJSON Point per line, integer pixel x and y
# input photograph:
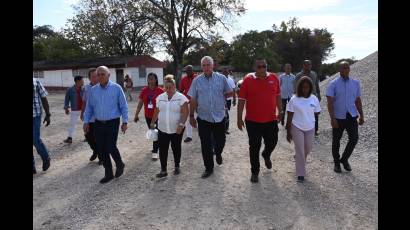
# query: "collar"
{"type": "Point", "coordinates": [106, 86]}
{"type": "Point", "coordinates": [255, 77]}
{"type": "Point", "coordinates": [210, 76]}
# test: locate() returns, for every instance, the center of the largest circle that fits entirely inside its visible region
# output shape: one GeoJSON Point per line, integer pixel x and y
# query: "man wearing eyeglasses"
{"type": "Point", "coordinates": [260, 92]}
{"type": "Point", "coordinates": [307, 71]}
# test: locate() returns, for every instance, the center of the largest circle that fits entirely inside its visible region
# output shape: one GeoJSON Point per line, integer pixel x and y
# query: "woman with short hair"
{"type": "Point", "coordinates": [172, 112]}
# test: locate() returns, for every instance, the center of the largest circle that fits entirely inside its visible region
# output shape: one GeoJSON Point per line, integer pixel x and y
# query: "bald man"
{"type": "Point", "coordinates": [107, 103]}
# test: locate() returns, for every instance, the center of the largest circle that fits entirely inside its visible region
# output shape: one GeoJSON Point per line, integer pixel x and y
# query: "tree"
{"type": "Point", "coordinates": [216, 47]}
{"type": "Point", "coordinates": [251, 45]}
{"type": "Point", "coordinates": [110, 28]}
{"type": "Point", "coordinates": [181, 22]}
{"type": "Point", "coordinates": [51, 45]}
{"type": "Point", "coordinates": [295, 44]}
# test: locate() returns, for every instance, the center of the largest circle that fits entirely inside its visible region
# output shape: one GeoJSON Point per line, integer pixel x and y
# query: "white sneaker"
{"type": "Point", "coordinates": [155, 156]}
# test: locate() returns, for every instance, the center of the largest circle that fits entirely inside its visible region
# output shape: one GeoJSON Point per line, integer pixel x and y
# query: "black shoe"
{"type": "Point", "coordinates": [69, 140]}
{"type": "Point", "coordinates": [100, 162]}
{"type": "Point", "coordinates": [254, 178]}
{"type": "Point", "coordinates": [188, 139]}
{"type": "Point", "coordinates": [106, 179]}
{"type": "Point", "coordinates": [34, 171]}
{"type": "Point", "coordinates": [316, 133]}
{"type": "Point", "coordinates": [301, 179]}
{"type": "Point", "coordinates": [218, 159]}
{"type": "Point", "coordinates": [268, 163]}
{"type": "Point", "coordinates": [119, 170]}
{"type": "Point", "coordinates": [177, 171]}
{"type": "Point", "coordinates": [85, 140]}
{"type": "Point", "coordinates": [226, 132]}
{"type": "Point", "coordinates": [46, 164]}
{"type": "Point", "coordinates": [346, 165]}
{"type": "Point", "coordinates": [206, 174]}
{"type": "Point", "coordinates": [93, 157]}
{"type": "Point", "coordinates": [162, 174]}
{"type": "Point", "coordinates": [337, 168]}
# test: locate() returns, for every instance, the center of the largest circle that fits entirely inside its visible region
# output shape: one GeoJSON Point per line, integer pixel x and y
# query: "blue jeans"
{"type": "Point", "coordinates": [40, 147]}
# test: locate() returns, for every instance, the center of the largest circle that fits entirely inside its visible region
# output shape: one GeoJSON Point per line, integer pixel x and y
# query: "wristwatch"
{"type": "Point", "coordinates": [181, 124]}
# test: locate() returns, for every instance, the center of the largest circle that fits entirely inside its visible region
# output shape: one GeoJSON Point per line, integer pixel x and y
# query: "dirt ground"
{"type": "Point", "coordinates": [69, 196]}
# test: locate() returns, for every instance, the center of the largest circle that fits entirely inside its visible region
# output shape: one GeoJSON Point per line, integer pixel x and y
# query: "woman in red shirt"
{"type": "Point", "coordinates": [147, 98]}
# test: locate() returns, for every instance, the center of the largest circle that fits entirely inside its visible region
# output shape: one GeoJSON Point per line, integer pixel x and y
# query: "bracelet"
{"type": "Point", "coordinates": [181, 124]}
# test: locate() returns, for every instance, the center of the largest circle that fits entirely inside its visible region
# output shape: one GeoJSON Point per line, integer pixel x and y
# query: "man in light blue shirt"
{"type": "Point", "coordinates": [344, 105]}
{"type": "Point", "coordinates": [107, 104]}
{"type": "Point", "coordinates": [208, 93]}
{"type": "Point", "coordinates": [287, 81]}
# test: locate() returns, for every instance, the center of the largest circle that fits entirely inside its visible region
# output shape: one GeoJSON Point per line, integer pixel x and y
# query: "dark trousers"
{"type": "Point", "coordinates": [350, 125]}
{"type": "Point", "coordinates": [256, 131]}
{"type": "Point", "coordinates": [90, 137]}
{"type": "Point", "coordinates": [207, 131]}
{"type": "Point", "coordinates": [106, 135]}
{"type": "Point", "coordinates": [164, 139]}
{"type": "Point", "coordinates": [316, 122]}
{"type": "Point", "coordinates": [228, 105]}
{"type": "Point", "coordinates": [284, 103]}
{"type": "Point", "coordinates": [155, 144]}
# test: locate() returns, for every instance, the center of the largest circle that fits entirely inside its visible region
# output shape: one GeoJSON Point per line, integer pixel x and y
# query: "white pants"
{"type": "Point", "coordinates": [74, 115]}
{"type": "Point", "coordinates": [188, 126]}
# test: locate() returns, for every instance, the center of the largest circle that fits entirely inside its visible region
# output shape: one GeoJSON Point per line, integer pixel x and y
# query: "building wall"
{"type": "Point", "coordinates": [64, 78]}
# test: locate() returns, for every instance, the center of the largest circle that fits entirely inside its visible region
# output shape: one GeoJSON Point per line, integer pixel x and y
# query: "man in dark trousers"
{"type": "Point", "coordinates": [344, 106]}
{"type": "Point", "coordinates": [107, 104]}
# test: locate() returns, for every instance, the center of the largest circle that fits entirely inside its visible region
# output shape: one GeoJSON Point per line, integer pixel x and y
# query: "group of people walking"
{"type": "Point", "coordinates": [203, 103]}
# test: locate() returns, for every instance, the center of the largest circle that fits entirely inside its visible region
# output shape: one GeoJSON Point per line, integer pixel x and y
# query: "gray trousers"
{"type": "Point", "coordinates": [303, 145]}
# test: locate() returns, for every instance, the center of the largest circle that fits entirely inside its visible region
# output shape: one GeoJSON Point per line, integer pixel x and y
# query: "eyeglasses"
{"type": "Point", "coordinates": [261, 66]}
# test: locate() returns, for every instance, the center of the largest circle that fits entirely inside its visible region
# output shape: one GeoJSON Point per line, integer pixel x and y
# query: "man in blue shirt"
{"type": "Point", "coordinates": [208, 93]}
{"type": "Point", "coordinates": [107, 103]}
{"type": "Point", "coordinates": [286, 81]}
{"type": "Point", "coordinates": [73, 100]}
{"type": "Point", "coordinates": [344, 105]}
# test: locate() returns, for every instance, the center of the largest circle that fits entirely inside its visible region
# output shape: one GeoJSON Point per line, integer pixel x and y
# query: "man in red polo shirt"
{"type": "Point", "coordinates": [260, 91]}
{"type": "Point", "coordinates": [184, 88]}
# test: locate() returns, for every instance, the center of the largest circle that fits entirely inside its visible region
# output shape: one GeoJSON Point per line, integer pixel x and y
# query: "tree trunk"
{"type": "Point", "coordinates": [177, 69]}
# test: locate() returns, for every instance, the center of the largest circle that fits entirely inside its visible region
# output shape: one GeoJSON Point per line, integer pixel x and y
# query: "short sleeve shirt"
{"type": "Point", "coordinates": [148, 96]}
{"type": "Point", "coordinates": [169, 111]}
{"type": "Point", "coordinates": [304, 110]}
{"type": "Point", "coordinates": [261, 97]}
{"type": "Point", "coordinates": [344, 94]}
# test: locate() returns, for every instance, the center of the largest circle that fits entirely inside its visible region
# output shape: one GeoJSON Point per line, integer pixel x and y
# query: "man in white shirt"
{"type": "Point", "coordinates": [230, 100]}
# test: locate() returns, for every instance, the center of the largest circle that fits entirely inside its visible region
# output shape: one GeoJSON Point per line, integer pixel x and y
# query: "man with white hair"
{"type": "Point", "coordinates": [208, 92]}
{"type": "Point", "coordinates": [107, 103]}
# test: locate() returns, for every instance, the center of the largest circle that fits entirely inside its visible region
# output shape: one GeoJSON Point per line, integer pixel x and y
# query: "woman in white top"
{"type": "Point", "coordinates": [300, 125]}
{"type": "Point", "coordinates": [172, 112]}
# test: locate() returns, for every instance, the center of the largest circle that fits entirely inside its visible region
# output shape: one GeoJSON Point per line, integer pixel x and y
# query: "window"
{"type": "Point", "coordinates": [38, 74]}
{"type": "Point", "coordinates": [142, 72]}
{"type": "Point", "coordinates": [80, 72]}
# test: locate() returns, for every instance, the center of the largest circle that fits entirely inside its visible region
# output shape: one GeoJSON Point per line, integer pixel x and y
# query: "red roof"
{"type": "Point", "coordinates": [146, 61]}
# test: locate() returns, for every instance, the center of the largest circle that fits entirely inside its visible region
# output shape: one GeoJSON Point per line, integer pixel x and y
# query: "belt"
{"type": "Point", "coordinates": [107, 121]}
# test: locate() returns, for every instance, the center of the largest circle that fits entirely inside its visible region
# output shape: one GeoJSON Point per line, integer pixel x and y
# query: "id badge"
{"type": "Point", "coordinates": [150, 106]}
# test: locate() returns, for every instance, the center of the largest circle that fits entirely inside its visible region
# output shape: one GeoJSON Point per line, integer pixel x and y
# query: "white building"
{"type": "Point", "coordinates": [59, 75]}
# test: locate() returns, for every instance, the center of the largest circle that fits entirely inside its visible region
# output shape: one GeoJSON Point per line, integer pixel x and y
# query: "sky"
{"type": "Point", "coordinates": [354, 24]}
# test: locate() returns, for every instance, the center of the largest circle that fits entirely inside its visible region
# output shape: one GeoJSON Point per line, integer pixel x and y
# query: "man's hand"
{"type": "Point", "coordinates": [288, 136]}
{"type": "Point", "coordinates": [334, 123]}
{"type": "Point", "coordinates": [67, 111]}
{"type": "Point", "coordinates": [152, 126]}
{"type": "Point", "coordinates": [47, 120]}
{"type": "Point", "coordinates": [136, 119]}
{"type": "Point", "coordinates": [192, 121]}
{"type": "Point", "coordinates": [280, 115]}
{"type": "Point", "coordinates": [124, 127]}
{"type": "Point", "coordinates": [233, 102]}
{"type": "Point", "coordinates": [361, 121]}
{"type": "Point", "coordinates": [240, 124]}
{"type": "Point", "coordinates": [86, 128]}
{"type": "Point", "coordinates": [179, 129]}
{"type": "Point", "coordinates": [82, 116]}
